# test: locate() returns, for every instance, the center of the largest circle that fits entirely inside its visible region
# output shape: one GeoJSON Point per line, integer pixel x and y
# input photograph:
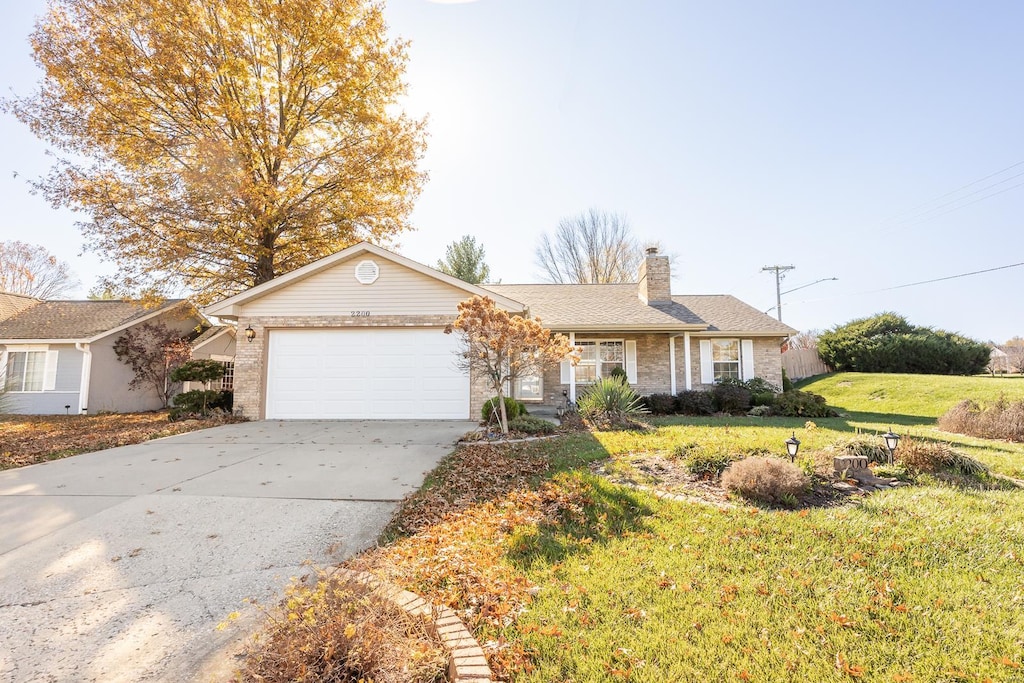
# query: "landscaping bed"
{"type": "Point", "coordinates": [30, 439]}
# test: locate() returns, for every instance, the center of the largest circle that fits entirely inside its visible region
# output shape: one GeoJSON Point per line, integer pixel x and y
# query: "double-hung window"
{"type": "Point", "coordinates": [725, 358]}
{"type": "Point", "coordinates": [25, 370]}
{"type": "Point", "coordinates": [598, 359]}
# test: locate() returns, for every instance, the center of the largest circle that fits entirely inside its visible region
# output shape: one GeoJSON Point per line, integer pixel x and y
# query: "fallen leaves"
{"type": "Point", "coordinates": [30, 439]}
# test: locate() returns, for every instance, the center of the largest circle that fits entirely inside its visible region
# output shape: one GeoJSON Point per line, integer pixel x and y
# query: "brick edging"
{"type": "Point", "coordinates": [506, 441]}
{"type": "Point", "coordinates": [466, 663]}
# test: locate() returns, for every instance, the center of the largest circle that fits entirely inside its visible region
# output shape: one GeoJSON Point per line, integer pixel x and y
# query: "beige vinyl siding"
{"type": "Point", "coordinates": [336, 292]}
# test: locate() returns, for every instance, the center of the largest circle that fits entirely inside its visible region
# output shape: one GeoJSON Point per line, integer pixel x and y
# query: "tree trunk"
{"type": "Point", "coordinates": [502, 416]}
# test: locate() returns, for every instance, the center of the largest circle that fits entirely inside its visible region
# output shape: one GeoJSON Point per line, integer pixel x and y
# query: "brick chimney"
{"type": "Point", "coordinates": [655, 278]}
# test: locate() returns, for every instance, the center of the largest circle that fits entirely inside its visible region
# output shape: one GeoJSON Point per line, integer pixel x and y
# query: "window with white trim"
{"type": "Point", "coordinates": [598, 359]}
{"type": "Point", "coordinates": [25, 370]}
{"type": "Point", "coordinates": [725, 359]}
{"type": "Point", "coordinates": [227, 382]}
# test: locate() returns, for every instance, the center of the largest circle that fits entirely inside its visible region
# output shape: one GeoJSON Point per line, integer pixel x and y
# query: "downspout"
{"type": "Point", "coordinates": [83, 385]}
{"type": "Point", "coordinates": [572, 370]}
{"type": "Point", "coordinates": [686, 360]}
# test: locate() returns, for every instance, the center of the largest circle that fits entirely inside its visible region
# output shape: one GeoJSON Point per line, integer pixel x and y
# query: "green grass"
{"type": "Point", "coordinates": [909, 396]}
{"type": "Point", "coordinates": [921, 582]}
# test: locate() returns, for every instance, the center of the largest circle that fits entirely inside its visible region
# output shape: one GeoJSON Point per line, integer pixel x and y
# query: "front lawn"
{"type": "Point", "coordinates": [564, 575]}
{"type": "Point", "coordinates": [30, 439]}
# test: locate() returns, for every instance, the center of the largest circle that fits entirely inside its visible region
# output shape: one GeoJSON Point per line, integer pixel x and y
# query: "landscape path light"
{"type": "Point", "coordinates": [792, 447]}
{"type": "Point", "coordinates": [891, 442]}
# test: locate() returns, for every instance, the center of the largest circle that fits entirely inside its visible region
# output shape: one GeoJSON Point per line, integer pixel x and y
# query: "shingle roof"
{"type": "Point", "coordinates": [11, 303]}
{"type": "Point", "coordinates": [73, 319]}
{"type": "Point", "coordinates": [726, 313]}
{"type": "Point", "coordinates": [617, 306]}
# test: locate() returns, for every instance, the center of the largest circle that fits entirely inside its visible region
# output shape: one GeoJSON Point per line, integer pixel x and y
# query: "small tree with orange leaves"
{"type": "Point", "coordinates": [503, 348]}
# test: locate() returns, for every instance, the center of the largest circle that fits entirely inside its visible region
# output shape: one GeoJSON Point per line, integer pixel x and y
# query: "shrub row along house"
{"type": "Point", "coordinates": [58, 357]}
{"type": "Point", "coordinates": [359, 335]}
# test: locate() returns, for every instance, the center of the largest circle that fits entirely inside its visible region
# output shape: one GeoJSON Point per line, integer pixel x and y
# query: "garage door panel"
{"type": "Point", "coordinates": [378, 373]}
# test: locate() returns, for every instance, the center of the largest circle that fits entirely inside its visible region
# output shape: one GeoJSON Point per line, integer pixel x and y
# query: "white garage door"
{"type": "Point", "coordinates": [370, 373]}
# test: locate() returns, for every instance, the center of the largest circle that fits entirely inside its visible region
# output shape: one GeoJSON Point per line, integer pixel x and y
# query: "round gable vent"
{"type": "Point", "coordinates": [367, 272]}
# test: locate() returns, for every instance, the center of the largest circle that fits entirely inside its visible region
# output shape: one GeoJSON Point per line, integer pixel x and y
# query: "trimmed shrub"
{"type": "Point", "coordinates": [758, 385]}
{"type": "Point", "coordinates": [528, 424]}
{"type": "Point", "coordinates": [760, 411]}
{"type": "Point", "coordinates": [762, 399]}
{"type": "Point", "coordinates": [619, 374]}
{"type": "Point", "coordinates": [931, 457]}
{"type": "Point", "coordinates": [787, 383]}
{"type": "Point", "coordinates": [695, 403]}
{"type": "Point", "coordinates": [731, 398]}
{"type": "Point", "coordinates": [1001, 420]}
{"type": "Point", "coordinates": [198, 370]}
{"type": "Point", "coordinates": [610, 399]}
{"type": "Point", "coordinates": [200, 403]}
{"type": "Point", "coordinates": [662, 404]}
{"type": "Point", "coordinates": [888, 343]}
{"type": "Point", "coordinates": [767, 480]}
{"type": "Point", "coordinates": [513, 408]}
{"type": "Point", "coordinates": [802, 404]}
{"type": "Point", "coordinates": [701, 462]}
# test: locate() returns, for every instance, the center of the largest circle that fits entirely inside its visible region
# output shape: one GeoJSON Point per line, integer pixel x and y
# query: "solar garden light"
{"type": "Point", "coordinates": [891, 442]}
{"type": "Point", "coordinates": [792, 447]}
{"type": "Point", "coordinates": [250, 334]}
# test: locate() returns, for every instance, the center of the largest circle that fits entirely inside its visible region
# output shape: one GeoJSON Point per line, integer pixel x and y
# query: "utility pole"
{"type": "Point", "coordinates": [779, 270]}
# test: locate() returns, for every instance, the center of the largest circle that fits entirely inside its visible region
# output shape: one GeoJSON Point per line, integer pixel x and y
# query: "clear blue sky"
{"type": "Point", "coordinates": [835, 137]}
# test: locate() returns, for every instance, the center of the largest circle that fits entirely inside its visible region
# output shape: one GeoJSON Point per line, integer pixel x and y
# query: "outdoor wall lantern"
{"type": "Point", "coordinates": [792, 447]}
{"type": "Point", "coordinates": [250, 334]}
{"type": "Point", "coordinates": [891, 442]}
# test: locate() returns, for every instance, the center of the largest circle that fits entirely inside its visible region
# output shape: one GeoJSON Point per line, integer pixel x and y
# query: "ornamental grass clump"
{"type": "Point", "coordinates": [1001, 420]}
{"type": "Point", "coordinates": [766, 480]}
{"type": "Point", "coordinates": [342, 630]}
{"type": "Point", "coordinates": [932, 457]}
{"type": "Point", "coordinates": [611, 403]}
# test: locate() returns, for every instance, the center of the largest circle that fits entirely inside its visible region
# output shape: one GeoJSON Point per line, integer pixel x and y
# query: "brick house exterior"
{"type": "Point", "coordinates": [381, 317]}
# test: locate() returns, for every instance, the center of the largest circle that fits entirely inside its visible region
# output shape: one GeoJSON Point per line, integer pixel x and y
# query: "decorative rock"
{"type": "Point", "coordinates": [849, 463]}
{"type": "Point", "coordinates": [844, 487]}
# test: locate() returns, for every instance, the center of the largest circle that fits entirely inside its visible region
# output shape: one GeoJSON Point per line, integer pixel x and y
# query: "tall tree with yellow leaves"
{"type": "Point", "coordinates": [217, 144]}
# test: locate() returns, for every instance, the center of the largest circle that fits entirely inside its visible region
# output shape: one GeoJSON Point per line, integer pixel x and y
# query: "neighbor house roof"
{"type": "Point", "coordinates": [617, 307]}
{"type": "Point", "coordinates": [76, 320]}
{"type": "Point", "coordinates": [11, 304]}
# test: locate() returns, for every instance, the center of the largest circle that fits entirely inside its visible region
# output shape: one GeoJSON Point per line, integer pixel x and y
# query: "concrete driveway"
{"type": "Point", "coordinates": [119, 565]}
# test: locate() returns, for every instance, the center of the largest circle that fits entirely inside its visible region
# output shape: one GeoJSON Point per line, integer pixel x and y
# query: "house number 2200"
{"type": "Point", "coordinates": [360, 314]}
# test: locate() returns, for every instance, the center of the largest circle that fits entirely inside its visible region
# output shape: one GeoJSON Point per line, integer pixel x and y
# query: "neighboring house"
{"type": "Point", "coordinates": [58, 356]}
{"type": "Point", "coordinates": [11, 304]}
{"type": "Point", "coordinates": [999, 361]}
{"type": "Point", "coordinates": [217, 343]}
{"type": "Point", "coordinates": [359, 334]}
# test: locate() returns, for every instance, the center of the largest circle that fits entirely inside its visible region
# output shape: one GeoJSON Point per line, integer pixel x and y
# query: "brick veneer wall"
{"type": "Point", "coordinates": [652, 360]}
{"type": "Point", "coordinates": [767, 361]}
{"type": "Point", "coordinates": [251, 357]}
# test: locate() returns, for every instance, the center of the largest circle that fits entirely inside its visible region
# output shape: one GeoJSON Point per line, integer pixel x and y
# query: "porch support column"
{"type": "Point", "coordinates": [672, 364]}
{"type": "Point", "coordinates": [686, 361]}
{"type": "Point", "coordinates": [572, 370]}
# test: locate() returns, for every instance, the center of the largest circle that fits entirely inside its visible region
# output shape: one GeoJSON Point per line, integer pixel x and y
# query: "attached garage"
{"type": "Point", "coordinates": [365, 374]}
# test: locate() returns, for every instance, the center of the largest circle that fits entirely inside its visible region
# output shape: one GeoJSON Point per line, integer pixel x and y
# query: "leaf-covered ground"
{"type": "Point", "coordinates": [29, 439]}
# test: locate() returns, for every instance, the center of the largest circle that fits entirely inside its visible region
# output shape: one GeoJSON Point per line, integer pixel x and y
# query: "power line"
{"type": "Point", "coordinates": [914, 209]}
{"type": "Point", "coordinates": [914, 284]}
{"type": "Point", "coordinates": [924, 214]}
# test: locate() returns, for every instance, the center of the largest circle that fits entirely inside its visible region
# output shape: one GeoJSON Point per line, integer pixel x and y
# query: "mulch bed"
{"type": "Point", "coordinates": [671, 475]}
{"type": "Point", "coordinates": [31, 439]}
